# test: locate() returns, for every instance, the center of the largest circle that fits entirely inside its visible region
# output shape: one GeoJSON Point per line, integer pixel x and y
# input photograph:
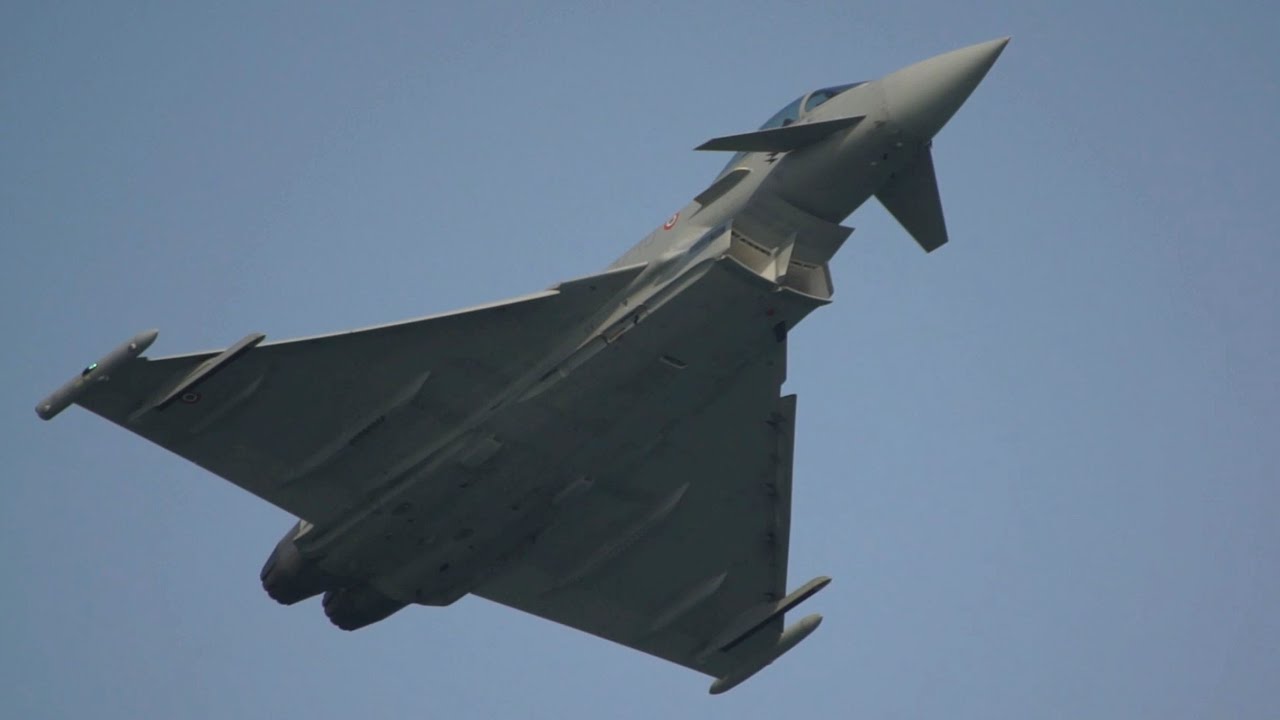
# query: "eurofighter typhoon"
{"type": "Point", "coordinates": [613, 454]}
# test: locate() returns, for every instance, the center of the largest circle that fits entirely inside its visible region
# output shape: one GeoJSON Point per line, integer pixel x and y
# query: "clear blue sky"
{"type": "Point", "coordinates": [1041, 464]}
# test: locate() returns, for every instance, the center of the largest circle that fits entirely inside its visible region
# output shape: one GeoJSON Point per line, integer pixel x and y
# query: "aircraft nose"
{"type": "Point", "coordinates": [921, 98]}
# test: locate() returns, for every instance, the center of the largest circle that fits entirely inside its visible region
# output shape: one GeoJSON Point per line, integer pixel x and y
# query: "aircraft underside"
{"type": "Point", "coordinates": [613, 453]}
{"type": "Point", "coordinates": [558, 470]}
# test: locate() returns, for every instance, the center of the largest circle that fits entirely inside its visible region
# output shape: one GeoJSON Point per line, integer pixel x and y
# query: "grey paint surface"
{"type": "Point", "coordinates": [612, 454]}
{"type": "Point", "coordinates": [1111, 559]}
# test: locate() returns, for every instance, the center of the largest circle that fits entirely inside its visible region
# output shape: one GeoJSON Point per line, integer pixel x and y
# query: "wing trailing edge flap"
{"type": "Point", "coordinates": [911, 196]}
{"type": "Point", "coordinates": [781, 139]}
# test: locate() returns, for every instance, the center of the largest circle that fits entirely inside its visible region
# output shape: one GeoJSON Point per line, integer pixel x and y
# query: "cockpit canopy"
{"type": "Point", "coordinates": [792, 111]}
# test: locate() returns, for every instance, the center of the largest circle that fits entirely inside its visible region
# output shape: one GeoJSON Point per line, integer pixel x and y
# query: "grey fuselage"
{"type": "Point", "coordinates": [777, 213]}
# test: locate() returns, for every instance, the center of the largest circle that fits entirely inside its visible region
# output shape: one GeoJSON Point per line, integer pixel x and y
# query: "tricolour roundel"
{"type": "Point", "coordinates": [671, 222]}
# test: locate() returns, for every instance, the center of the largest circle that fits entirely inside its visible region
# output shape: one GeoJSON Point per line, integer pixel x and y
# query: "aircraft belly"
{"type": "Point", "coordinates": [611, 411]}
{"type": "Point", "coordinates": [467, 519]}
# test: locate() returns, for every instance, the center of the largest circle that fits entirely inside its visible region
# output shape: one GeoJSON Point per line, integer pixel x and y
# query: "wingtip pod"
{"type": "Point", "coordinates": [64, 396]}
{"type": "Point", "coordinates": [787, 640]}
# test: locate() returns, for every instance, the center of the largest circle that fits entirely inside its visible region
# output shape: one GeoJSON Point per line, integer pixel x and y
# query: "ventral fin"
{"type": "Point", "coordinates": [911, 196]}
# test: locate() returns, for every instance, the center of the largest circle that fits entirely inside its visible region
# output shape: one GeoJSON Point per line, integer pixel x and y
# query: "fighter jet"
{"type": "Point", "coordinates": [614, 453]}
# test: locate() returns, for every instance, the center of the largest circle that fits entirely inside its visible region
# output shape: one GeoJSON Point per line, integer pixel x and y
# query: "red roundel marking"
{"type": "Point", "coordinates": [671, 222]}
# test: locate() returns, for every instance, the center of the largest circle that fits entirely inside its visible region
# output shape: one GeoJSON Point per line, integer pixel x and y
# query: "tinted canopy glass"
{"type": "Point", "coordinates": [791, 112]}
{"type": "Point", "coordinates": [785, 116]}
{"type": "Point", "coordinates": [817, 97]}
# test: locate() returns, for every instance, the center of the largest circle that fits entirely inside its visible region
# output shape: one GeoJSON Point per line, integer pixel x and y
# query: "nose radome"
{"type": "Point", "coordinates": [921, 98]}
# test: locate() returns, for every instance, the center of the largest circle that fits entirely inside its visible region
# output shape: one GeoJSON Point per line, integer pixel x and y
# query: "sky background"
{"type": "Point", "coordinates": [1041, 464]}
